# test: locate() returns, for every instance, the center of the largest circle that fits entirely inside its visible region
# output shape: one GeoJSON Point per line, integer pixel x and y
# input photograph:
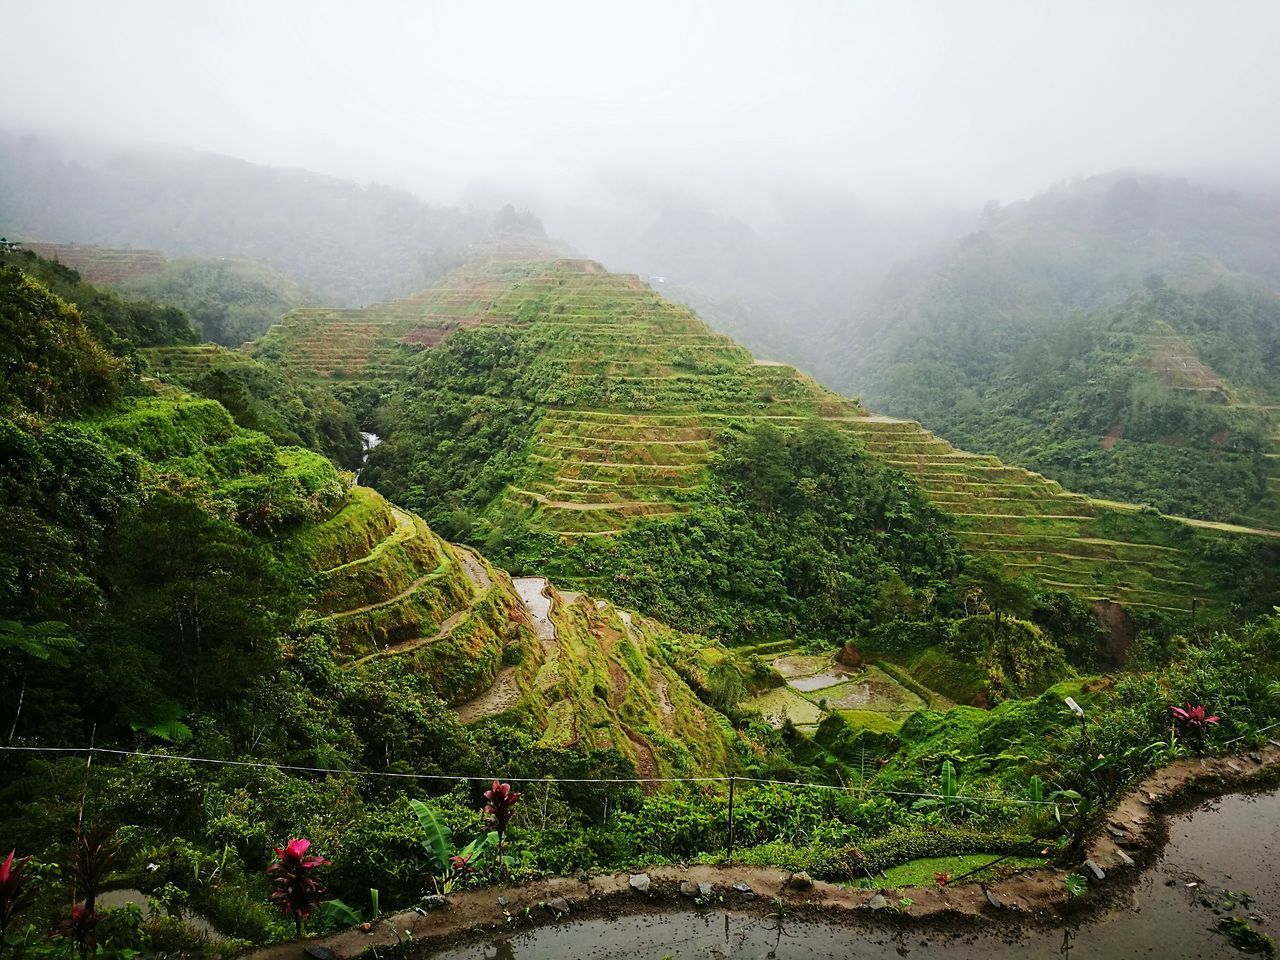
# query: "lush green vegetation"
{"type": "Point", "coordinates": [1050, 339]}
{"type": "Point", "coordinates": [1117, 403]}
{"type": "Point", "coordinates": [174, 583]}
{"type": "Point", "coordinates": [574, 406]}
{"type": "Point", "coordinates": [796, 534]}
{"type": "Point", "coordinates": [467, 431]}
{"type": "Point", "coordinates": [118, 323]}
{"type": "Point", "coordinates": [51, 364]}
{"type": "Point", "coordinates": [262, 398]}
{"type": "Point", "coordinates": [229, 301]}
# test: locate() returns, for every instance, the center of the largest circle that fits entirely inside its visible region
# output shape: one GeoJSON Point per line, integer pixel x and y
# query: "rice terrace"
{"type": "Point", "coordinates": [556, 480]}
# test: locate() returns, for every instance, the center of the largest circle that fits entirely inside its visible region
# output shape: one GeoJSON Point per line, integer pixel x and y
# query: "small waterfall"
{"type": "Point", "coordinates": [367, 442]}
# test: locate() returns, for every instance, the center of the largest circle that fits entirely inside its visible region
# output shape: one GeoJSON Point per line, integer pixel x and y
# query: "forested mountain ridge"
{"type": "Point", "coordinates": [349, 243]}
{"type": "Point", "coordinates": [1119, 334]}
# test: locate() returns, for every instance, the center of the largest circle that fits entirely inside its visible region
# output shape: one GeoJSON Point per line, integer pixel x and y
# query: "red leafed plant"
{"type": "Point", "coordinates": [502, 803]}
{"type": "Point", "coordinates": [79, 929]}
{"type": "Point", "coordinates": [298, 891]}
{"type": "Point", "coordinates": [942, 879]}
{"type": "Point", "coordinates": [14, 896]}
{"type": "Point", "coordinates": [1195, 719]}
{"type": "Point", "coordinates": [461, 865]}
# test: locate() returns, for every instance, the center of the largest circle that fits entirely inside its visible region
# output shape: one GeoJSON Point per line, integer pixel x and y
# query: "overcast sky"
{"type": "Point", "coordinates": [950, 100]}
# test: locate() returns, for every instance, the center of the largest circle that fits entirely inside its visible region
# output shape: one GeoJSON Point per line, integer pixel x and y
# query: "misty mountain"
{"type": "Point", "coordinates": [1096, 332]}
{"type": "Point", "coordinates": [778, 271]}
{"type": "Point", "coordinates": [348, 242]}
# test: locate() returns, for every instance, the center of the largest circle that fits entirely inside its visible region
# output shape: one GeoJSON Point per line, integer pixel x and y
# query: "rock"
{"type": "Point", "coordinates": [992, 899]}
{"type": "Point", "coordinates": [433, 901]}
{"type": "Point", "coordinates": [1124, 858]}
{"type": "Point", "coordinates": [1120, 833]}
{"type": "Point", "coordinates": [1234, 767]}
{"type": "Point", "coordinates": [1255, 757]}
{"type": "Point", "coordinates": [502, 901]}
{"type": "Point", "coordinates": [557, 905]}
{"type": "Point", "coordinates": [1121, 631]}
{"type": "Point", "coordinates": [1094, 872]}
{"type": "Point", "coordinates": [320, 953]}
{"type": "Point", "coordinates": [705, 890]}
{"type": "Point", "coordinates": [800, 881]}
{"type": "Point", "coordinates": [689, 889]}
{"type": "Point", "coordinates": [850, 656]}
{"type": "Point", "coordinates": [742, 887]}
{"type": "Point", "coordinates": [640, 882]}
{"type": "Point", "coordinates": [1274, 743]}
{"type": "Point", "coordinates": [878, 902]}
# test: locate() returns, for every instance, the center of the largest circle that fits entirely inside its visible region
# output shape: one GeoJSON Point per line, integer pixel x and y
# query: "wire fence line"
{"type": "Point", "coordinates": [460, 778]}
{"type": "Point", "coordinates": [1245, 736]}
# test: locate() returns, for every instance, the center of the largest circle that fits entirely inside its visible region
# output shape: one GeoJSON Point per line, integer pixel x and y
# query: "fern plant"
{"type": "Point", "coordinates": [49, 642]}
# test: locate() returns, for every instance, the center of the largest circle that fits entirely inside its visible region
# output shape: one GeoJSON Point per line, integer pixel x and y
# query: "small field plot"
{"type": "Point", "coordinates": [872, 690]}
{"type": "Point", "coordinates": [783, 703]}
{"type": "Point", "coordinates": [817, 684]}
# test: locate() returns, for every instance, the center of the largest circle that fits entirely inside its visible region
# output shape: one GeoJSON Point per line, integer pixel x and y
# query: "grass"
{"type": "Point", "coordinates": [923, 872]}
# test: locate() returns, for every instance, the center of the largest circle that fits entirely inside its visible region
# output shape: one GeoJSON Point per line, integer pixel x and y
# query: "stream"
{"type": "Point", "coordinates": [1217, 853]}
{"type": "Point", "coordinates": [367, 442]}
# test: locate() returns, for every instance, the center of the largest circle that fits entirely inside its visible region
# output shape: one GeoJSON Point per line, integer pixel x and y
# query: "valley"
{"type": "Point", "coordinates": [537, 525]}
{"type": "Point", "coordinates": [633, 394]}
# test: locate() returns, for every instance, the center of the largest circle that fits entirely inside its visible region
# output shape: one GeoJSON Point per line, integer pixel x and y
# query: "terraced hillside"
{"type": "Point", "coordinates": [387, 592]}
{"type": "Point", "coordinates": [578, 673]}
{"type": "Point", "coordinates": [376, 341]}
{"type": "Point", "coordinates": [1033, 526]}
{"type": "Point", "coordinates": [1267, 513]}
{"type": "Point", "coordinates": [632, 395]}
{"type": "Point", "coordinates": [107, 265]}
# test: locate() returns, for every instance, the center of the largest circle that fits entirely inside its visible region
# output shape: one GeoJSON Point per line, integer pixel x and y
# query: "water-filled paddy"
{"type": "Point", "coordinates": [1220, 862]}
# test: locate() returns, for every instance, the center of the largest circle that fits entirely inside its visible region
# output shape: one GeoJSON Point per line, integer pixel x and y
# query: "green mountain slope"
{"type": "Point", "coordinates": [259, 397]}
{"type": "Point", "coordinates": [562, 407]}
{"type": "Point", "coordinates": [174, 541]}
{"type": "Point", "coordinates": [230, 301]}
{"type": "Point", "coordinates": [1119, 335]}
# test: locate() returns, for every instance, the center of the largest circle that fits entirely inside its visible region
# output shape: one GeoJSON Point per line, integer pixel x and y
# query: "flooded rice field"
{"type": "Point", "coordinates": [1220, 864]}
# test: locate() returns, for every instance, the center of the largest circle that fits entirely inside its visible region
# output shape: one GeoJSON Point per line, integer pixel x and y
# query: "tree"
{"type": "Point", "coordinates": [22, 644]}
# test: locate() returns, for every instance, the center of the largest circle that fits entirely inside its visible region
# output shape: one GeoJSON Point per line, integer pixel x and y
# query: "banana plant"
{"type": "Point", "coordinates": [453, 866]}
{"type": "Point", "coordinates": [948, 799]}
{"type": "Point", "coordinates": [1035, 789]}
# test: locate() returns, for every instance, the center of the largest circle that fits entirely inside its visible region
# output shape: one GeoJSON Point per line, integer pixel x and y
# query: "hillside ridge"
{"type": "Point", "coordinates": [629, 396]}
